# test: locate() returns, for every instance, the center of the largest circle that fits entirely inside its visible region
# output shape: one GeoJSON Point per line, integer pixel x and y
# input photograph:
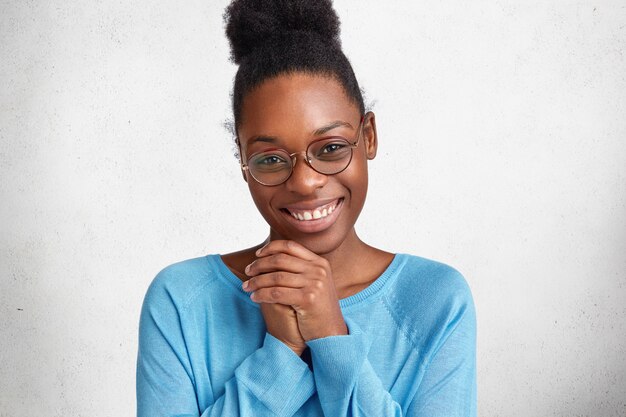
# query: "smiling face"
{"type": "Point", "coordinates": [289, 112]}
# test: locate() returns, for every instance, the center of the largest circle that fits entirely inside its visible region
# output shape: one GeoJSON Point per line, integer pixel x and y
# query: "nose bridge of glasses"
{"type": "Point", "coordinates": [304, 178]}
{"type": "Point", "coordinates": [294, 158]}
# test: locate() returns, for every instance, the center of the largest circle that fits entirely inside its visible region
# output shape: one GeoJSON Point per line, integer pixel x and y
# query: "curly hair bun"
{"type": "Point", "coordinates": [252, 23]}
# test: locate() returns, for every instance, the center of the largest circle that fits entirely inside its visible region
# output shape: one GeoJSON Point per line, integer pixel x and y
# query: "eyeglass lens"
{"type": "Point", "coordinates": [328, 156]}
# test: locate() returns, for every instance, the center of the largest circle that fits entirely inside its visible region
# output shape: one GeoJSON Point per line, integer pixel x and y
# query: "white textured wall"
{"type": "Point", "coordinates": [502, 152]}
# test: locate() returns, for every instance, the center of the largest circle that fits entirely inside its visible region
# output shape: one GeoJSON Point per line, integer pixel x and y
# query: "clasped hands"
{"type": "Point", "coordinates": [288, 278]}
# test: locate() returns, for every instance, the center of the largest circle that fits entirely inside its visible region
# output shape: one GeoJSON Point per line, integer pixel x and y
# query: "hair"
{"type": "Point", "coordinates": [269, 38]}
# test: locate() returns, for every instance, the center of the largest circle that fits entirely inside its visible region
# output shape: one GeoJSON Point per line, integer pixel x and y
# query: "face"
{"type": "Point", "coordinates": [289, 112]}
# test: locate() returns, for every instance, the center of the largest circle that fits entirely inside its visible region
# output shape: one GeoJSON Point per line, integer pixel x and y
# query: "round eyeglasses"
{"type": "Point", "coordinates": [330, 155]}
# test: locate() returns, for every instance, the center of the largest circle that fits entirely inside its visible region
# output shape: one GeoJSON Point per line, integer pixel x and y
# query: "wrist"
{"type": "Point", "coordinates": [340, 329]}
{"type": "Point", "coordinates": [295, 348]}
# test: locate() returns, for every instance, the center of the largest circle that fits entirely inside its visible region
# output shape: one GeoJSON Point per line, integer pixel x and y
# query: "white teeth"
{"type": "Point", "coordinates": [315, 214]}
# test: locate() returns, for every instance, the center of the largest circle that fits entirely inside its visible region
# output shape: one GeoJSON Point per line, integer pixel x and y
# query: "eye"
{"type": "Point", "coordinates": [269, 162]}
{"type": "Point", "coordinates": [331, 150]}
{"type": "Point", "coordinates": [332, 147]}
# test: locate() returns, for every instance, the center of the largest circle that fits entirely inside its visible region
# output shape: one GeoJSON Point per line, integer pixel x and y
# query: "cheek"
{"type": "Point", "coordinates": [262, 197]}
{"type": "Point", "coordinates": [356, 180]}
{"type": "Point", "coordinates": [259, 196]}
{"type": "Point", "coordinates": [358, 172]}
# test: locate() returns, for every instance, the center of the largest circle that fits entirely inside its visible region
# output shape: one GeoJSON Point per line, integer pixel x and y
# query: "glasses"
{"type": "Point", "coordinates": [330, 155]}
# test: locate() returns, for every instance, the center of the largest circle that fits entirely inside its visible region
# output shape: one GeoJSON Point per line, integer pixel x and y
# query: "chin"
{"type": "Point", "coordinates": [320, 246]}
{"type": "Point", "coordinates": [319, 243]}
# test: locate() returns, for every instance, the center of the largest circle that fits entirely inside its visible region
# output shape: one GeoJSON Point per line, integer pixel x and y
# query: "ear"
{"type": "Point", "coordinates": [243, 171]}
{"type": "Point", "coordinates": [370, 137]}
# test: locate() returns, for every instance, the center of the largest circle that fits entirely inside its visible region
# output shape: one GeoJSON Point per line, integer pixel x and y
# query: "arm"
{"type": "Point", "coordinates": [287, 273]}
{"type": "Point", "coordinates": [272, 381]}
{"type": "Point", "coordinates": [347, 384]}
{"type": "Point", "coordinates": [449, 384]}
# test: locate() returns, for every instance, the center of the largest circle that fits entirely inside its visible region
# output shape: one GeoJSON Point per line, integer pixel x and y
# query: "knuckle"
{"type": "Point", "coordinates": [321, 271]}
{"type": "Point", "coordinates": [310, 297]}
{"type": "Point", "coordinates": [318, 285]}
{"type": "Point", "coordinates": [277, 277]}
{"type": "Point", "coordinates": [277, 259]}
{"type": "Point", "coordinates": [275, 293]}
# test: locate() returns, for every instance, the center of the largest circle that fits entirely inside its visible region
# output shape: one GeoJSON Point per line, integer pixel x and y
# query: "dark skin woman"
{"type": "Point", "coordinates": [302, 271]}
{"type": "Point", "coordinates": [312, 321]}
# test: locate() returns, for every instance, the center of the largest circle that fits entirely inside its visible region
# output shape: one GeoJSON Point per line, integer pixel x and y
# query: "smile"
{"type": "Point", "coordinates": [313, 219]}
{"type": "Point", "coordinates": [314, 214]}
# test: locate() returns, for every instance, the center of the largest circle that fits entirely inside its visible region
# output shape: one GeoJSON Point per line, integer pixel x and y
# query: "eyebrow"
{"type": "Point", "coordinates": [331, 126]}
{"type": "Point", "coordinates": [262, 138]}
{"type": "Point", "coordinates": [317, 132]}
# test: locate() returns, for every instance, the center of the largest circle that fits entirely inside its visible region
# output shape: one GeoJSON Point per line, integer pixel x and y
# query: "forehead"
{"type": "Point", "coordinates": [295, 104]}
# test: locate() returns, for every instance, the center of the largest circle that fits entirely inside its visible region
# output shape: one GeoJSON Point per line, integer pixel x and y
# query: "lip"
{"type": "Point", "coordinates": [317, 225]}
{"type": "Point", "coordinates": [310, 205]}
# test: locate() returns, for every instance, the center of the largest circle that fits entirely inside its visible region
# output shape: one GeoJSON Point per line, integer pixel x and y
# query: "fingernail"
{"type": "Point", "coordinates": [247, 269]}
{"type": "Point", "coordinates": [245, 285]}
{"type": "Point", "coordinates": [258, 251]}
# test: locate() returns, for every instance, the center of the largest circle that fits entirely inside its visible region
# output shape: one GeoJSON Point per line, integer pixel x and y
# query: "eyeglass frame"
{"type": "Point", "coordinates": [245, 167]}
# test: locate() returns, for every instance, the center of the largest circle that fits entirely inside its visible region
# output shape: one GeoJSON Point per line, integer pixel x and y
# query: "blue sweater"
{"type": "Point", "coordinates": [410, 351]}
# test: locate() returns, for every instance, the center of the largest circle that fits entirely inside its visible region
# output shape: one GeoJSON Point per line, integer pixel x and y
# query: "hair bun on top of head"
{"type": "Point", "coordinates": [252, 23]}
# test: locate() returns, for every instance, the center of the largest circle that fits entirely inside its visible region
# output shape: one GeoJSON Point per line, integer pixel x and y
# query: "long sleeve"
{"type": "Point", "coordinates": [204, 349]}
{"type": "Point", "coordinates": [347, 384]}
{"type": "Point", "coordinates": [449, 384]}
{"type": "Point", "coordinates": [272, 381]}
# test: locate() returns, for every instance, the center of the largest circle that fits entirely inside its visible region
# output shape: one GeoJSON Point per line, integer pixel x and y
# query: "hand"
{"type": "Point", "coordinates": [288, 273]}
{"type": "Point", "coordinates": [281, 322]}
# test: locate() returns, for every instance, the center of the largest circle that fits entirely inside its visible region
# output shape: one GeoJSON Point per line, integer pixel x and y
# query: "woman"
{"type": "Point", "coordinates": [313, 321]}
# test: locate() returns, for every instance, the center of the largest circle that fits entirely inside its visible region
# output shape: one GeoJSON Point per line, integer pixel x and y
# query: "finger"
{"type": "Point", "coordinates": [278, 295]}
{"type": "Point", "coordinates": [274, 279]}
{"type": "Point", "coordinates": [276, 262]}
{"type": "Point", "coordinates": [286, 246]}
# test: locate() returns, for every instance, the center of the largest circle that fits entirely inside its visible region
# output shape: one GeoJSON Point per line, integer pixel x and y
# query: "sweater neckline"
{"type": "Point", "coordinates": [360, 297]}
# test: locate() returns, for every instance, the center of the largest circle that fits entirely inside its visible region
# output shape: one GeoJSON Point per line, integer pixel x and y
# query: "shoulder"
{"type": "Point", "coordinates": [431, 281]}
{"type": "Point", "coordinates": [178, 283]}
{"type": "Point", "coordinates": [428, 298]}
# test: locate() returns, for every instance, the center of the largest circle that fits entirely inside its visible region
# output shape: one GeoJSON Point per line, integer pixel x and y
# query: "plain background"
{"type": "Point", "coordinates": [502, 131]}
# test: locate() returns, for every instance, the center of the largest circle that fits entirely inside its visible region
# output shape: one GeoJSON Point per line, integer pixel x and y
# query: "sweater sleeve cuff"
{"type": "Point", "coordinates": [337, 362]}
{"type": "Point", "coordinates": [278, 377]}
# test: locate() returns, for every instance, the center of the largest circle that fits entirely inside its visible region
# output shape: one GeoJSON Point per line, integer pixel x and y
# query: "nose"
{"type": "Point", "coordinates": [304, 180]}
